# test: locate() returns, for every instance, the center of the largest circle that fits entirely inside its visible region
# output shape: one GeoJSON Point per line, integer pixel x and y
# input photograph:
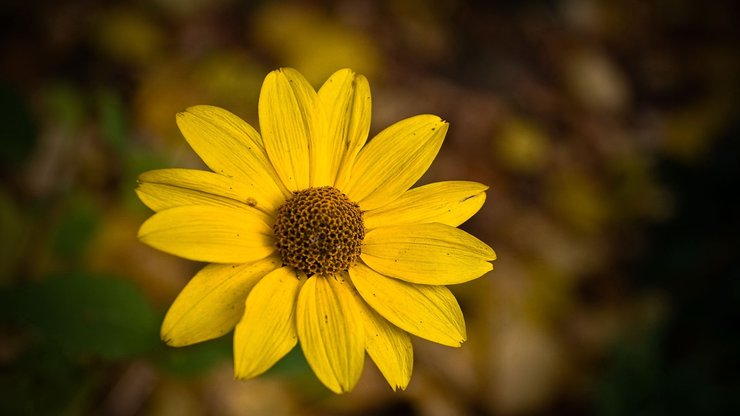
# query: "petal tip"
{"type": "Point", "coordinates": [238, 376]}
{"type": "Point", "coordinates": [168, 333]}
{"type": "Point", "coordinates": [169, 340]}
{"type": "Point", "coordinates": [490, 254]}
{"type": "Point", "coordinates": [347, 71]}
{"type": "Point", "coordinates": [461, 341]}
{"type": "Point", "coordinates": [401, 387]}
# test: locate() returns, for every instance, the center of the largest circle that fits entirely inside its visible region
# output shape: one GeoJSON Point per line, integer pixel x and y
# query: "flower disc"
{"type": "Point", "coordinates": [319, 231]}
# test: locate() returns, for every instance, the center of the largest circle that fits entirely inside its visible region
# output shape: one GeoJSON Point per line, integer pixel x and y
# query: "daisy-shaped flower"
{"type": "Point", "coordinates": [313, 234]}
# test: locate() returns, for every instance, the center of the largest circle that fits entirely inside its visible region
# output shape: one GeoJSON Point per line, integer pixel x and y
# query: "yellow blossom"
{"type": "Point", "coordinates": [313, 233]}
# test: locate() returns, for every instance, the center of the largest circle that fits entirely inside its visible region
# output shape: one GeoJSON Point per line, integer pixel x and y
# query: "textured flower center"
{"type": "Point", "coordinates": [319, 230]}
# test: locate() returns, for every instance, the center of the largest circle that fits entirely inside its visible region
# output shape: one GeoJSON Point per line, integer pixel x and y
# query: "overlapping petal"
{"type": "Point", "coordinates": [389, 347]}
{"type": "Point", "coordinates": [429, 312]}
{"type": "Point", "coordinates": [288, 114]}
{"type": "Point", "coordinates": [346, 106]}
{"type": "Point", "coordinates": [168, 188]}
{"type": "Point", "coordinates": [329, 325]}
{"type": "Point", "coordinates": [231, 147]}
{"type": "Point", "coordinates": [394, 160]}
{"type": "Point", "coordinates": [210, 233]}
{"type": "Point", "coordinates": [431, 254]}
{"type": "Point", "coordinates": [450, 203]}
{"type": "Point", "coordinates": [212, 302]}
{"type": "Point", "coordinates": [267, 331]}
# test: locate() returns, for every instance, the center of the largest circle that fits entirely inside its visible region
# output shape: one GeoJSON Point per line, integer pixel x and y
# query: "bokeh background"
{"type": "Point", "coordinates": [607, 130]}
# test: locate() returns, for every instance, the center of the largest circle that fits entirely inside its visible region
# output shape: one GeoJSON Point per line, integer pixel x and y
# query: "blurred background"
{"type": "Point", "coordinates": [607, 130]}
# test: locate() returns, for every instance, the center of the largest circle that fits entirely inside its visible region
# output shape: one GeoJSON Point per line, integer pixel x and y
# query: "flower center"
{"type": "Point", "coordinates": [319, 230]}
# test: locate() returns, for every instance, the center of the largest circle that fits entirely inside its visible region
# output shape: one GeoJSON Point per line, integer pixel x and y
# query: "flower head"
{"type": "Point", "coordinates": [313, 233]}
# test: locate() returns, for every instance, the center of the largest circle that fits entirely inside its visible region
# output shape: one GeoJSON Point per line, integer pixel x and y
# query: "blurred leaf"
{"type": "Point", "coordinates": [19, 133]}
{"type": "Point", "coordinates": [293, 364]}
{"type": "Point", "coordinates": [65, 105]}
{"type": "Point", "coordinates": [85, 314]}
{"type": "Point", "coordinates": [295, 367]}
{"type": "Point", "coordinates": [39, 383]}
{"type": "Point", "coordinates": [76, 227]}
{"type": "Point", "coordinates": [196, 359]}
{"type": "Point", "coordinates": [12, 238]}
{"type": "Point", "coordinates": [113, 122]}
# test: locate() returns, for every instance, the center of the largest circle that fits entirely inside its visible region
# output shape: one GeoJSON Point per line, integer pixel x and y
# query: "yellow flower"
{"type": "Point", "coordinates": [313, 234]}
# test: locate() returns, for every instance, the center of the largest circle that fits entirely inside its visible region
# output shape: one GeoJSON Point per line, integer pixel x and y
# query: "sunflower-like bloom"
{"type": "Point", "coordinates": [313, 234]}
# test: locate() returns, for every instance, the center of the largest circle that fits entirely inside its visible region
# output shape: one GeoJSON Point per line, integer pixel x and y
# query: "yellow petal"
{"type": "Point", "coordinates": [430, 254]}
{"type": "Point", "coordinates": [267, 331]}
{"type": "Point", "coordinates": [328, 323]}
{"type": "Point", "coordinates": [450, 203]}
{"type": "Point", "coordinates": [346, 106]}
{"type": "Point", "coordinates": [389, 347]}
{"type": "Point", "coordinates": [288, 121]}
{"type": "Point", "coordinates": [394, 160]}
{"type": "Point", "coordinates": [209, 233]}
{"type": "Point", "coordinates": [212, 302]}
{"type": "Point", "coordinates": [429, 312]}
{"type": "Point", "coordinates": [168, 188]}
{"type": "Point", "coordinates": [231, 147]}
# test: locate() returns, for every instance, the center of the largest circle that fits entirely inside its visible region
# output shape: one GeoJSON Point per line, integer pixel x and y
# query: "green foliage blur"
{"type": "Point", "coordinates": [608, 132]}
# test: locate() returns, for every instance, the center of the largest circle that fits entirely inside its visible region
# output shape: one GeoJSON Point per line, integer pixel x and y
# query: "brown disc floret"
{"type": "Point", "coordinates": [319, 231]}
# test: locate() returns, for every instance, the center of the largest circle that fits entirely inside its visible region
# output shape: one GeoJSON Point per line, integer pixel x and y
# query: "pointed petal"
{"type": "Point", "coordinates": [327, 322]}
{"type": "Point", "coordinates": [429, 312]}
{"type": "Point", "coordinates": [345, 107]}
{"type": "Point", "coordinates": [211, 234]}
{"type": "Point", "coordinates": [288, 121]}
{"type": "Point", "coordinates": [212, 302]}
{"type": "Point", "coordinates": [231, 147]}
{"type": "Point", "coordinates": [168, 188]}
{"type": "Point", "coordinates": [450, 203]}
{"type": "Point", "coordinates": [394, 160]}
{"type": "Point", "coordinates": [267, 331]}
{"type": "Point", "coordinates": [389, 347]}
{"type": "Point", "coordinates": [430, 254]}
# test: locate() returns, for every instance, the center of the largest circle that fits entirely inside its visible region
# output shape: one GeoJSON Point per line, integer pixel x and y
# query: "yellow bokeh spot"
{"type": "Point", "coordinates": [227, 79]}
{"type": "Point", "coordinates": [314, 43]}
{"type": "Point", "coordinates": [130, 36]}
{"type": "Point", "coordinates": [688, 133]}
{"type": "Point", "coordinates": [521, 146]}
{"type": "Point", "coordinates": [230, 79]}
{"type": "Point", "coordinates": [579, 200]}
